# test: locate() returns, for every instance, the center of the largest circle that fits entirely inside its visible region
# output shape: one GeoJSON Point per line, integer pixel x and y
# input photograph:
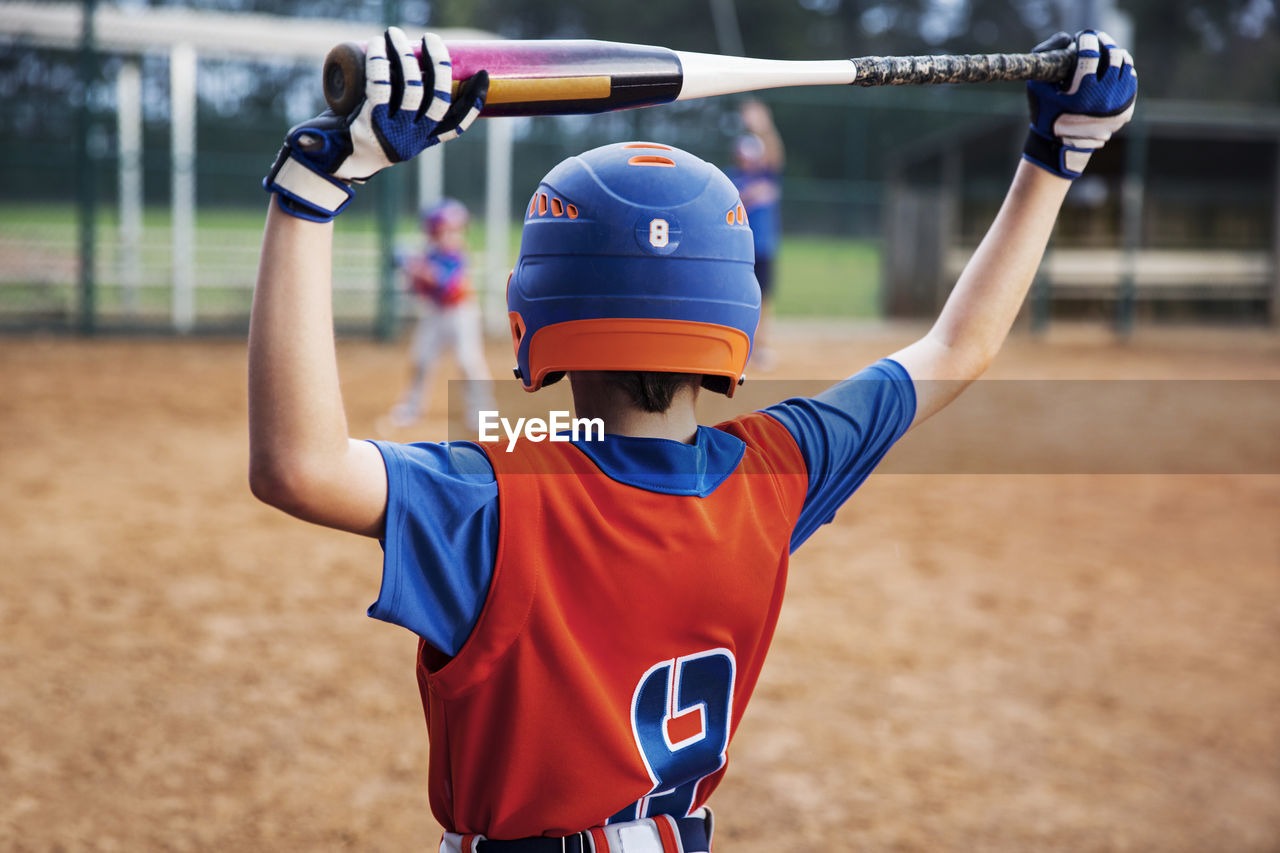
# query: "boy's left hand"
{"type": "Point", "coordinates": [1070, 122]}
{"type": "Point", "coordinates": [322, 157]}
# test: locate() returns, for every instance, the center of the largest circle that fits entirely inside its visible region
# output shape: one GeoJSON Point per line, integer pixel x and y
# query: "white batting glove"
{"type": "Point", "coordinates": [1069, 124]}
{"type": "Point", "coordinates": [321, 158]}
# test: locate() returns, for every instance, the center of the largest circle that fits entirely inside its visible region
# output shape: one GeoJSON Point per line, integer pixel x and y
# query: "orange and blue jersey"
{"type": "Point", "coordinates": [446, 281]}
{"type": "Point", "coordinates": [594, 616]}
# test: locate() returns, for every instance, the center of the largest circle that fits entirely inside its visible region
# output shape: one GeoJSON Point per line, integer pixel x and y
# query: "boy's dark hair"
{"type": "Point", "coordinates": [651, 391]}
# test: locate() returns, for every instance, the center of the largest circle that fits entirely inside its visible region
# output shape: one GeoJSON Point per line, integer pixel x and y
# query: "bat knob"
{"type": "Point", "coordinates": [344, 77]}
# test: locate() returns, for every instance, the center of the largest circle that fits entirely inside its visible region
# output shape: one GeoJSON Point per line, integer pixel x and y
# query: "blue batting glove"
{"type": "Point", "coordinates": [1069, 124]}
{"type": "Point", "coordinates": [404, 111]}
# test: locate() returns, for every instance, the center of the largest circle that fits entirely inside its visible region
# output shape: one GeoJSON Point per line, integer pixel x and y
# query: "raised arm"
{"type": "Point", "coordinates": [301, 458]}
{"type": "Point", "coordinates": [1067, 125]}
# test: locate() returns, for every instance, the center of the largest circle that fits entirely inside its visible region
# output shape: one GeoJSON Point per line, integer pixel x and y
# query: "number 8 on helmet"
{"type": "Point", "coordinates": [634, 256]}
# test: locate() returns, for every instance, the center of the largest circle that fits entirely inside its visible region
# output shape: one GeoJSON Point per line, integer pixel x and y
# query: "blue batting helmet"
{"type": "Point", "coordinates": [445, 212]}
{"type": "Point", "coordinates": [634, 256]}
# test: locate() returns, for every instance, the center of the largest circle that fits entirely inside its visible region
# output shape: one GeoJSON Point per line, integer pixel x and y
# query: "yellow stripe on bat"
{"type": "Point", "coordinates": [517, 90]}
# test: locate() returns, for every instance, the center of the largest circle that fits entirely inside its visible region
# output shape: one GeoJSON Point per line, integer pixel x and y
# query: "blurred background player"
{"type": "Point", "coordinates": [438, 280]}
{"type": "Point", "coordinates": [758, 157]}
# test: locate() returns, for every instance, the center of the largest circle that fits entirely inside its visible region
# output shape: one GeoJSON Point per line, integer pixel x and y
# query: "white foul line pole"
{"type": "Point", "coordinates": [182, 86]}
{"type": "Point", "coordinates": [430, 177]}
{"type": "Point", "coordinates": [497, 222]}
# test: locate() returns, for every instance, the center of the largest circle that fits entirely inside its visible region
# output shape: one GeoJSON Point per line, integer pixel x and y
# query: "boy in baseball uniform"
{"type": "Point", "coordinates": [439, 281]}
{"type": "Point", "coordinates": [592, 616]}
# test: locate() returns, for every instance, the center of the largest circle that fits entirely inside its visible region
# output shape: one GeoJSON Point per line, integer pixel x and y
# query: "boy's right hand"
{"type": "Point", "coordinates": [322, 157]}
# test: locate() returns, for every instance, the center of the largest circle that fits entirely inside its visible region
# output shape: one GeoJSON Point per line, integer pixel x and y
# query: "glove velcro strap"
{"type": "Point", "coordinates": [1075, 159]}
{"type": "Point", "coordinates": [1051, 154]}
{"type": "Point", "coordinates": [304, 192]}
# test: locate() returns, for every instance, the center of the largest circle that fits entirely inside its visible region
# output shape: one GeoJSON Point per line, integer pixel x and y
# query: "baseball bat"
{"type": "Point", "coordinates": [577, 76]}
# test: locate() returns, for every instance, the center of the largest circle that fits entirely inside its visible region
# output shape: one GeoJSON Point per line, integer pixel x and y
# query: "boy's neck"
{"type": "Point", "coordinates": [593, 398]}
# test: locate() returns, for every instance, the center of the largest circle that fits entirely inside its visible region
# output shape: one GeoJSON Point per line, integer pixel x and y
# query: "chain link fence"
{"type": "Point", "coordinates": [92, 196]}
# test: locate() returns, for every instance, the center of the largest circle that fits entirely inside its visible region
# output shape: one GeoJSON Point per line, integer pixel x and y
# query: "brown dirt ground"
{"type": "Point", "coordinates": [965, 662]}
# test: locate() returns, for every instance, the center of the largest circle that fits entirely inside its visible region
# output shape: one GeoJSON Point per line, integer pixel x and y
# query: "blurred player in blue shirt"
{"type": "Point", "coordinates": [758, 159]}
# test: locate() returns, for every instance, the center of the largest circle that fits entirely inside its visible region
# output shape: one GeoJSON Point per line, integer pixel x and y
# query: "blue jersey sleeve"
{"type": "Point", "coordinates": [843, 433]}
{"type": "Point", "coordinates": [441, 539]}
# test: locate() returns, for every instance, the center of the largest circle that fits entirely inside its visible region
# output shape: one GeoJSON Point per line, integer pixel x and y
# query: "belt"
{"type": "Point", "coordinates": [660, 834]}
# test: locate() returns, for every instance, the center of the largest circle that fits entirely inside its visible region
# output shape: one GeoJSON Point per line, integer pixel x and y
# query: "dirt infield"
{"type": "Point", "coordinates": [965, 662]}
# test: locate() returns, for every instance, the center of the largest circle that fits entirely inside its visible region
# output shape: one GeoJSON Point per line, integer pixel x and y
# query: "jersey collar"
{"type": "Point", "coordinates": [666, 466]}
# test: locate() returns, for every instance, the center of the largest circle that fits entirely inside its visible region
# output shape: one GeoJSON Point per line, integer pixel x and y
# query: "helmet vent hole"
{"type": "Point", "coordinates": [572, 211]}
{"type": "Point", "coordinates": [650, 160]}
{"type": "Point", "coordinates": [542, 204]}
{"type": "Point", "coordinates": [728, 217]}
{"type": "Point", "coordinates": [648, 145]}
{"type": "Point", "coordinates": [557, 207]}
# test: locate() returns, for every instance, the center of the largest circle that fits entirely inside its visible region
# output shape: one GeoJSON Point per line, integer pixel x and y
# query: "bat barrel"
{"type": "Point", "coordinates": [566, 77]}
{"type": "Point", "coordinates": [1051, 65]}
{"type": "Point", "coordinates": [534, 77]}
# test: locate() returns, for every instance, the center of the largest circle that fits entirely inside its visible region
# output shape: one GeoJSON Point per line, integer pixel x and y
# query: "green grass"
{"type": "Point", "coordinates": [827, 277]}
{"type": "Point", "coordinates": [51, 214]}
{"type": "Point", "coordinates": [816, 276]}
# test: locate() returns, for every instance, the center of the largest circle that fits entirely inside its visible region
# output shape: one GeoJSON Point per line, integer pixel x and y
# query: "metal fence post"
{"type": "Point", "coordinates": [497, 222]}
{"type": "Point", "coordinates": [385, 323]}
{"type": "Point", "coordinates": [1131, 202]}
{"type": "Point", "coordinates": [85, 172]}
{"type": "Point", "coordinates": [1274, 308]}
{"type": "Point", "coordinates": [183, 67]}
{"type": "Point", "coordinates": [129, 136]}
